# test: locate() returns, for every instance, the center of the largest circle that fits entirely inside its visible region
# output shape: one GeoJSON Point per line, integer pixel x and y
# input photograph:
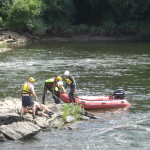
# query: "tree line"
{"type": "Point", "coordinates": [101, 17]}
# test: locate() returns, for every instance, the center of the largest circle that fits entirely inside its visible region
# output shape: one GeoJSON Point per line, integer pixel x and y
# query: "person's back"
{"type": "Point", "coordinates": [70, 81]}
{"type": "Point", "coordinates": [49, 85]}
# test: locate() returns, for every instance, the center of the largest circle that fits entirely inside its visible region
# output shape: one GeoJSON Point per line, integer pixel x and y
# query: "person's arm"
{"type": "Point", "coordinates": [33, 92]}
{"type": "Point", "coordinates": [72, 79]}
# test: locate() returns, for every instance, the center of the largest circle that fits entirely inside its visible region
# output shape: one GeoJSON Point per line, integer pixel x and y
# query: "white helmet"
{"type": "Point", "coordinates": [66, 73]}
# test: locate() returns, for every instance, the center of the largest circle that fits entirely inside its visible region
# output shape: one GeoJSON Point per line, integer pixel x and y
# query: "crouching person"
{"type": "Point", "coordinates": [57, 91]}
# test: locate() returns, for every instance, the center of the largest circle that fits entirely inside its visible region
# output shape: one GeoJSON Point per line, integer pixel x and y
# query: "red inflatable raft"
{"type": "Point", "coordinates": [95, 102]}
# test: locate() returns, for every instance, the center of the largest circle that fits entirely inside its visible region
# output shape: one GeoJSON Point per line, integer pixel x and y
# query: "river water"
{"type": "Point", "coordinates": [99, 69]}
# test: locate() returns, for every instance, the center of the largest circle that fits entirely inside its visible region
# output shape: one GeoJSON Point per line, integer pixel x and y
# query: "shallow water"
{"type": "Point", "coordinates": [99, 69]}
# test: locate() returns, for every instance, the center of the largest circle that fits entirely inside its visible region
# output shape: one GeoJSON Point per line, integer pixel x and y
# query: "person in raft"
{"type": "Point", "coordinates": [72, 84]}
{"type": "Point", "coordinates": [58, 90]}
{"type": "Point", "coordinates": [27, 93]}
{"type": "Point", "coordinates": [41, 110]}
{"type": "Point", "coordinates": [50, 84]}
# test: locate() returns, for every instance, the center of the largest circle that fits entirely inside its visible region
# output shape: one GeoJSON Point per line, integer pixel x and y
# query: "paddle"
{"type": "Point", "coordinates": [56, 96]}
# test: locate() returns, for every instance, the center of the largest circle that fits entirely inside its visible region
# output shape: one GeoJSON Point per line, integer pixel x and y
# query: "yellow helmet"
{"type": "Point", "coordinates": [31, 79]}
{"type": "Point", "coordinates": [59, 78]}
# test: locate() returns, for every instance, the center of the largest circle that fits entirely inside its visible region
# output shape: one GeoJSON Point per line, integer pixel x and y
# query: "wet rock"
{"type": "Point", "coordinates": [57, 122]}
{"type": "Point", "coordinates": [70, 119]}
{"type": "Point", "coordinates": [10, 40]}
{"type": "Point", "coordinates": [42, 122]}
{"type": "Point", "coordinates": [19, 130]}
{"type": "Point", "coordinates": [2, 137]}
{"type": "Point", "coordinates": [8, 118]}
{"type": "Point", "coordinates": [71, 127]}
{"type": "Point", "coordinates": [84, 117]}
{"type": "Point", "coordinates": [4, 50]}
{"type": "Point", "coordinates": [85, 113]}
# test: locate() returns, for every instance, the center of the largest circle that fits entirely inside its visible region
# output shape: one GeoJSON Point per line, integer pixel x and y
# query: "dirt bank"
{"type": "Point", "coordinates": [8, 38]}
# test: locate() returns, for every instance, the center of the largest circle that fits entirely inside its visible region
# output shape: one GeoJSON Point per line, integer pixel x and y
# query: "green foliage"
{"type": "Point", "coordinates": [104, 17]}
{"type": "Point", "coordinates": [65, 112]}
{"type": "Point", "coordinates": [71, 109]}
{"type": "Point", "coordinates": [36, 26]}
{"type": "Point", "coordinates": [58, 14]}
{"type": "Point", "coordinates": [4, 95]}
{"type": "Point", "coordinates": [4, 4]}
{"type": "Point", "coordinates": [2, 46]}
{"type": "Point", "coordinates": [1, 22]}
{"type": "Point", "coordinates": [144, 28]}
{"type": "Point", "coordinates": [26, 16]}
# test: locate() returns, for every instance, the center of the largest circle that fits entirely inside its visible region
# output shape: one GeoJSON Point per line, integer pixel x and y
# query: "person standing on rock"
{"type": "Point", "coordinates": [50, 84]}
{"type": "Point", "coordinates": [70, 81]}
{"type": "Point", "coordinates": [27, 93]}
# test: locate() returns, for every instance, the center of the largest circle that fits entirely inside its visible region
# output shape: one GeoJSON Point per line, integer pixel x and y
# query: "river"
{"type": "Point", "coordinates": [99, 69]}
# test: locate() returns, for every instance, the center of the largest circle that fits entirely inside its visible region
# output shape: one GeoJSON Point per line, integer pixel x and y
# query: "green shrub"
{"type": "Point", "coordinates": [73, 110]}
{"type": "Point", "coordinates": [2, 45]}
{"type": "Point", "coordinates": [25, 15]}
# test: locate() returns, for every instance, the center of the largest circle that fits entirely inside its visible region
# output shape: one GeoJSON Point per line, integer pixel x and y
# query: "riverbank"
{"type": "Point", "coordinates": [8, 38]}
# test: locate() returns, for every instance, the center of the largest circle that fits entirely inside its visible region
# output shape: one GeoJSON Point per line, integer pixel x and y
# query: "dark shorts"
{"type": "Point", "coordinates": [27, 101]}
{"type": "Point", "coordinates": [37, 110]}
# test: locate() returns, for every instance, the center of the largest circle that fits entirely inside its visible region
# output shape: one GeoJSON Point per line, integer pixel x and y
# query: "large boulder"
{"type": "Point", "coordinates": [19, 130]}
{"type": "Point", "coordinates": [8, 118]}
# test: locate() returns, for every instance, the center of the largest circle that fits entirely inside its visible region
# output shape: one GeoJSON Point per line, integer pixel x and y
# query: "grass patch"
{"type": "Point", "coordinates": [4, 95]}
{"type": "Point", "coordinates": [73, 110]}
{"type": "Point", "coordinates": [2, 46]}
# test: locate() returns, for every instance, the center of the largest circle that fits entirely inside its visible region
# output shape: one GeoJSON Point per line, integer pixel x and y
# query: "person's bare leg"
{"type": "Point", "coordinates": [43, 114]}
{"type": "Point", "coordinates": [43, 107]}
{"type": "Point", "coordinates": [22, 111]}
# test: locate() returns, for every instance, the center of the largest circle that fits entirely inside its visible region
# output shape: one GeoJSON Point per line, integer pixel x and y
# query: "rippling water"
{"type": "Point", "coordinates": [99, 69]}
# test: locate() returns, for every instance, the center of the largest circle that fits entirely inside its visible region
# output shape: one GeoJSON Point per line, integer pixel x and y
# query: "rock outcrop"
{"type": "Point", "coordinates": [19, 130]}
{"type": "Point", "coordinates": [13, 128]}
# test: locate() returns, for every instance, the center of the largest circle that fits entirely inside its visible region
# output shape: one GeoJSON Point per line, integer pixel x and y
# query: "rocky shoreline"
{"type": "Point", "coordinates": [12, 128]}
{"type": "Point", "coordinates": [9, 38]}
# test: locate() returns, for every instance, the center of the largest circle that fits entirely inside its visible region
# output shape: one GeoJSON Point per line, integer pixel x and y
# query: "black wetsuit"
{"type": "Point", "coordinates": [49, 85]}
{"type": "Point", "coordinates": [72, 84]}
